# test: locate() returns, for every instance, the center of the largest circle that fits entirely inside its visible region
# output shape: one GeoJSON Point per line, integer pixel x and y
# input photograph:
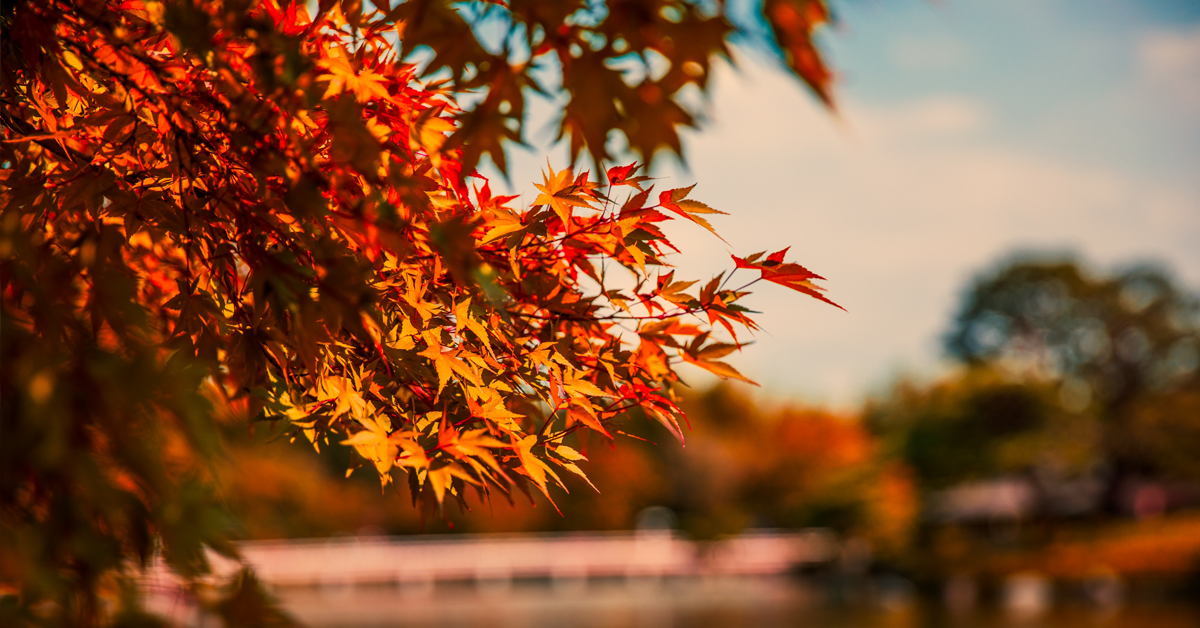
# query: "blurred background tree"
{"type": "Point", "coordinates": [1122, 349]}
{"type": "Point", "coordinates": [1073, 408]}
{"type": "Point", "coordinates": [1062, 369]}
{"type": "Point", "coordinates": [978, 425]}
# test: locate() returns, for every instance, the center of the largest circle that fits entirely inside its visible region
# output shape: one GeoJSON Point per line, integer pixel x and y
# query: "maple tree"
{"type": "Point", "coordinates": [215, 212]}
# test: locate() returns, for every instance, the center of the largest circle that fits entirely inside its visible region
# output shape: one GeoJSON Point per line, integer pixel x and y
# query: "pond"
{"type": "Point", "coordinates": [691, 603]}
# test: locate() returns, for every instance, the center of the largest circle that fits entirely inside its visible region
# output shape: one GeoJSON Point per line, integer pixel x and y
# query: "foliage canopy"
{"type": "Point", "coordinates": [238, 210]}
{"type": "Point", "coordinates": [1119, 336]}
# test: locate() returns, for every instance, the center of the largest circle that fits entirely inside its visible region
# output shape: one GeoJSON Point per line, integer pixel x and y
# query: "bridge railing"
{"type": "Point", "coordinates": [401, 560]}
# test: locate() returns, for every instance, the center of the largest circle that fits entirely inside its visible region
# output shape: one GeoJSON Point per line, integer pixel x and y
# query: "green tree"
{"type": "Point", "coordinates": [1064, 372]}
{"type": "Point", "coordinates": [1119, 347]}
{"type": "Point", "coordinates": [1115, 338]}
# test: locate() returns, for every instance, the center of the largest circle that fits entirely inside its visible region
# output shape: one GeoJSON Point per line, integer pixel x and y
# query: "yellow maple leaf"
{"type": "Point", "coordinates": [441, 479]}
{"type": "Point", "coordinates": [532, 466]}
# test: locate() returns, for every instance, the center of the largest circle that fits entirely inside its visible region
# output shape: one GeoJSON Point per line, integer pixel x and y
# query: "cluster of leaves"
{"type": "Point", "coordinates": [620, 68]}
{"type": "Point", "coordinates": [245, 207]}
{"type": "Point", "coordinates": [749, 461]}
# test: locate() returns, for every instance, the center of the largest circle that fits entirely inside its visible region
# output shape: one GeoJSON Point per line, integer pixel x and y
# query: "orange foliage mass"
{"type": "Point", "coordinates": [238, 207]}
{"type": "Point", "coordinates": [279, 203]}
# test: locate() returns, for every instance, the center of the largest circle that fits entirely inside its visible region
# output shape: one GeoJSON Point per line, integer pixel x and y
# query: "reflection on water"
{"type": "Point", "coordinates": [683, 603]}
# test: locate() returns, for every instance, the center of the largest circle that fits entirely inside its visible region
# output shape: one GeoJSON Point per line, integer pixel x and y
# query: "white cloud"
{"type": "Point", "coordinates": [1170, 62]}
{"type": "Point", "coordinates": [929, 54]}
{"type": "Point", "coordinates": [757, 102]}
{"type": "Point", "coordinates": [898, 205]}
{"type": "Point", "coordinates": [931, 117]}
{"type": "Point", "coordinates": [898, 223]}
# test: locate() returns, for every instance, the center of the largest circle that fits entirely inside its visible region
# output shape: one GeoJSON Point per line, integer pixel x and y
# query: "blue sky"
{"type": "Point", "coordinates": [966, 131]}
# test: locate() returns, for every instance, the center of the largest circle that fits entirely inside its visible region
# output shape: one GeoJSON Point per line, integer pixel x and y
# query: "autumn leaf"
{"type": "Point", "coordinates": [500, 225]}
{"type": "Point", "coordinates": [790, 275]}
{"type": "Point", "coordinates": [618, 174]}
{"type": "Point", "coordinates": [794, 22]}
{"type": "Point", "coordinates": [585, 414]}
{"type": "Point", "coordinates": [667, 420]}
{"type": "Point", "coordinates": [531, 465]}
{"type": "Point", "coordinates": [562, 193]}
{"type": "Point", "coordinates": [720, 369]}
{"type": "Point", "coordinates": [441, 479]}
{"type": "Point", "coordinates": [566, 458]}
{"type": "Point", "coordinates": [676, 201]}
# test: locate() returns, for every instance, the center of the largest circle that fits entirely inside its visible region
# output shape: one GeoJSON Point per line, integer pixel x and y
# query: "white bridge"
{"type": "Point", "coordinates": [490, 557]}
{"type": "Point", "coordinates": [333, 577]}
{"type": "Point", "coordinates": [506, 557]}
